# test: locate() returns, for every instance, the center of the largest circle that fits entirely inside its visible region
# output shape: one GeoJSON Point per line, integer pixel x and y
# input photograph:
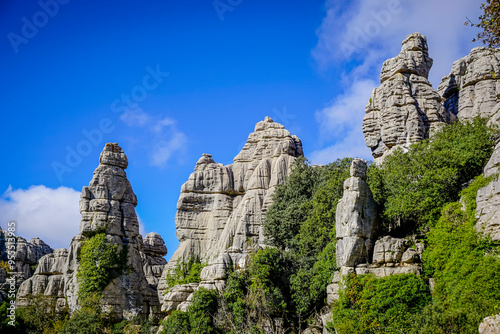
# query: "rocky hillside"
{"type": "Point", "coordinates": [107, 206]}
{"type": "Point", "coordinates": [270, 244]}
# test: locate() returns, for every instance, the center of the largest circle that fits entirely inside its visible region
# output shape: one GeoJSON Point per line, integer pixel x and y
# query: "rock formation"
{"type": "Point", "coordinates": [107, 206]}
{"type": "Point", "coordinates": [488, 199]}
{"type": "Point", "coordinates": [490, 325]}
{"type": "Point", "coordinates": [27, 254]}
{"type": "Point", "coordinates": [405, 109]}
{"type": "Point", "coordinates": [473, 86]}
{"type": "Point", "coordinates": [356, 230]}
{"type": "Point", "coordinates": [355, 220]}
{"type": "Point", "coordinates": [221, 208]}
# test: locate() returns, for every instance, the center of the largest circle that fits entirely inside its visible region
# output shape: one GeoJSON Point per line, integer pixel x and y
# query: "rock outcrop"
{"type": "Point", "coordinates": [357, 252]}
{"type": "Point", "coordinates": [473, 86]}
{"type": "Point", "coordinates": [355, 220]}
{"type": "Point", "coordinates": [107, 206]}
{"type": "Point", "coordinates": [221, 208]}
{"type": "Point", "coordinates": [405, 109]}
{"type": "Point", "coordinates": [27, 254]}
{"type": "Point", "coordinates": [488, 199]}
{"type": "Point", "coordinates": [490, 325]}
{"type": "Point", "coordinates": [152, 254]}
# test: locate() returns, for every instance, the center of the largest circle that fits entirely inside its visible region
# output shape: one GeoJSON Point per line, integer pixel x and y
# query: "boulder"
{"type": "Point", "coordinates": [490, 325]}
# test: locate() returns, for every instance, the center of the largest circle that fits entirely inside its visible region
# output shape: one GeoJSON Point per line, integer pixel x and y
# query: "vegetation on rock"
{"type": "Point", "coordinates": [185, 272]}
{"type": "Point", "coordinates": [100, 262]}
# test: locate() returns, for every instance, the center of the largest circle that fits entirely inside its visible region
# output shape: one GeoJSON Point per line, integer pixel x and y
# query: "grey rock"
{"type": "Point", "coordinates": [488, 199]}
{"type": "Point", "coordinates": [176, 296]}
{"type": "Point", "coordinates": [405, 109]}
{"type": "Point", "coordinates": [27, 254]}
{"type": "Point", "coordinates": [490, 325]}
{"type": "Point", "coordinates": [107, 206]}
{"type": "Point", "coordinates": [221, 208]}
{"type": "Point", "coordinates": [473, 86]}
{"type": "Point", "coordinates": [389, 250]}
{"type": "Point", "coordinates": [355, 219]}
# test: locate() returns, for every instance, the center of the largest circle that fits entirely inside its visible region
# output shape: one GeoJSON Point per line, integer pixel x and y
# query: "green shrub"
{"type": "Point", "coordinates": [285, 215]}
{"type": "Point", "coordinates": [379, 305]}
{"type": "Point", "coordinates": [100, 262]}
{"type": "Point", "coordinates": [412, 187]}
{"type": "Point", "coordinates": [185, 272]}
{"type": "Point", "coordinates": [198, 317]}
{"type": "Point", "coordinates": [465, 266]}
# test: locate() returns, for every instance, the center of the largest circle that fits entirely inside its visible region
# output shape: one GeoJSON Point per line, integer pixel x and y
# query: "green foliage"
{"type": "Point", "coordinates": [318, 229]}
{"type": "Point", "coordinates": [412, 187]}
{"type": "Point", "coordinates": [489, 22]}
{"type": "Point", "coordinates": [185, 272]}
{"type": "Point", "coordinates": [100, 262]}
{"type": "Point", "coordinates": [308, 287]}
{"type": "Point", "coordinates": [5, 266]}
{"type": "Point", "coordinates": [284, 217]}
{"type": "Point", "coordinates": [40, 315]}
{"type": "Point", "coordinates": [465, 266]}
{"type": "Point", "coordinates": [19, 326]}
{"type": "Point", "coordinates": [379, 305]}
{"type": "Point", "coordinates": [198, 318]}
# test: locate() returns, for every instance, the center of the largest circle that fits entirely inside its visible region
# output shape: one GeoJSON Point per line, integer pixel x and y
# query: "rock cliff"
{"type": "Point", "coordinates": [221, 208]}
{"type": "Point", "coordinates": [27, 254]}
{"type": "Point", "coordinates": [107, 206]}
{"type": "Point", "coordinates": [473, 86]}
{"type": "Point", "coordinates": [404, 109]}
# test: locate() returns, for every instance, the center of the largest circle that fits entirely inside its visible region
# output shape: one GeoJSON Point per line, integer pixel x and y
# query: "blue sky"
{"type": "Point", "coordinates": [170, 80]}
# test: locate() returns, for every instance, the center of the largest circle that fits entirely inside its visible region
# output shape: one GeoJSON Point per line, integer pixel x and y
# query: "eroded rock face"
{"type": "Point", "coordinates": [488, 199]}
{"type": "Point", "coordinates": [221, 208]}
{"type": "Point", "coordinates": [152, 254]}
{"type": "Point", "coordinates": [107, 206]}
{"type": "Point", "coordinates": [405, 109]}
{"type": "Point", "coordinates": [27, 254]}
{"type": "Point", "coordinates": [473, 86]}
{"type": "Point", "coordinates": [47, 280]}
{"type": "Point", "coordinates": [355, 220]}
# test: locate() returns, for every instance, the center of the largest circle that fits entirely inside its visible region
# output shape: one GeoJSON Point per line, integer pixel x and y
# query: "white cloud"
{"type": "Point", "coordinates": [367, 32]}
{"type": "Point", "coordinates": [50, 214]}
{"type": "Point", "coordinates": [359, 37]}
{"type": "Point", "coordinates": [135, 117]}
{"type": "Point", "coordinates": [352, 146]}
{"type": "Point", "coordinates": [343, 119]}
{"type": "Point", "coordinates": [165, 148]}
{"type": "Point", "coordinates": [159, 137]}
{"type": "Point", "coordinates": [346, 110]}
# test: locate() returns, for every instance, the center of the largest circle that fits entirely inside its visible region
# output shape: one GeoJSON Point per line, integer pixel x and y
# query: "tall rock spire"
{"type": "Point", "coordinates": [107, 206]}
{"type": "Point", "coordinates": [404, 109]}
{"type": "Point", "coordinates": [221, 208]}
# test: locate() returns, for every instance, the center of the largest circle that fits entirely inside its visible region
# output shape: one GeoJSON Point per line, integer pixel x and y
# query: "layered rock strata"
{"type": "Point", "coordinates": [404, 109]}
{"type": "Point", "coordinates": [27, 254]}
{"type": "Point", "coordinates": [473, 86]}
{"type": "Point", "coordinates": [355, 220]}
{"type": "Point", "coordinates": [357, 252]}
{"type": "Point", "coordinates": [107, 206]}
{"type": "Point", "coordinates": [488, 199]}
{"type": "Point", "coordinates": [221, 208]}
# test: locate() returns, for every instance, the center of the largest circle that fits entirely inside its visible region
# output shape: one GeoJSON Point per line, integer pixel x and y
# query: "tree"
{"type": "Point", "coordinates": [490, 23]}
